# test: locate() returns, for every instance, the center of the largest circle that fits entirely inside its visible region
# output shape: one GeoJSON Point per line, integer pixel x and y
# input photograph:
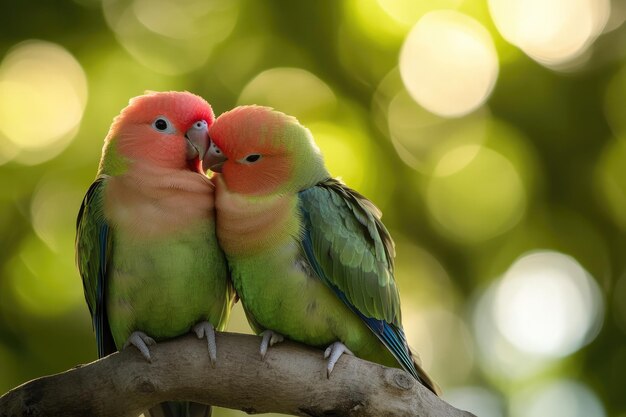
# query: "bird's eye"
{"type": "Point", "coordinates": [253, 158]}
{"type": "Point", "coordinates": [160, 124]}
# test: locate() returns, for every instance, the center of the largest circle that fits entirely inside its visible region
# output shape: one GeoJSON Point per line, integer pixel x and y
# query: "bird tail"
{"type": "Point", "coordinates": [427, 381]}
{"type": "Point", "coordinates": [179, 409]}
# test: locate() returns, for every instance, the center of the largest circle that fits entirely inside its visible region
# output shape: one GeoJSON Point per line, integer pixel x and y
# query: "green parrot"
{"type": "Point", "coordinates": [145, 244]}
{"type": "Point", "coordinates": [310, 258]}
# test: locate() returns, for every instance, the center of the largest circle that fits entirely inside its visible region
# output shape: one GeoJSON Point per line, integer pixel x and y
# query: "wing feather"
{"type": "Point", "coordinates": [93, 255]}
{"type": "Point", "coordinates": [351, 251]}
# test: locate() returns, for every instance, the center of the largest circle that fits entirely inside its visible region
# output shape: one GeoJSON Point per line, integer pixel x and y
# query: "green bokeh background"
{"type": "Point", "coordinates": [546, 171]}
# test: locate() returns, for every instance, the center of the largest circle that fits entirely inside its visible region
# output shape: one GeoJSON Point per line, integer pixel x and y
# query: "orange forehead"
{"type": "Point", "coordinates": [247, 129]}
{"type": "Point", "coordinates": [182, 108]}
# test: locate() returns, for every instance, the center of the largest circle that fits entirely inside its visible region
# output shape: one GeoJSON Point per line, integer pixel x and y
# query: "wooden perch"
{"type": "Point", "coordinates": [291, 380]}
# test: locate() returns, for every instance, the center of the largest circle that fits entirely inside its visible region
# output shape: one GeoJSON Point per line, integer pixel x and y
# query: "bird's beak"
{"type": "Point", "coordinates": [214, 158]}
{"type": "Point", "coordinates": [197, 140]}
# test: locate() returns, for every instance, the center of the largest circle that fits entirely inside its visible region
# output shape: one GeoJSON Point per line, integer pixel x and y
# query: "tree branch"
{"type": "Point", "coordinates": [291, 380]}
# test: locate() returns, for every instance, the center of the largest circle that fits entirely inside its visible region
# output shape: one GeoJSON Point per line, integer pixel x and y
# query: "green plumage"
{"type": "Point", "coordinates": [359, 261]}
{"type": "Point", "coordinates": [281, 290]}
{"type": "Point", "coordinates": [326, 276]}
{"type": "Point", "coordinates": [161, 286]}
{"type": "Point", "coordinates": [310, 258]}
{"type": "Point", "coordinates": [146, 245]}
{"type": "Point", "coordinates": [166, 285]}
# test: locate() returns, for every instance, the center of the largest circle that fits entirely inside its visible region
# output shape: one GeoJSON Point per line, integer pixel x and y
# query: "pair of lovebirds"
{"type": "Point", "coordinates": [162, 248]}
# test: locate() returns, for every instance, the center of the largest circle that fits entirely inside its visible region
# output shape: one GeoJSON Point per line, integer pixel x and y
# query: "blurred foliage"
{"type": "Point", "coordinates": [501, 169]}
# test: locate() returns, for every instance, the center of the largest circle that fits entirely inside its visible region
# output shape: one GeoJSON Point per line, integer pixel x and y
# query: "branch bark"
{"type": "Point", "coordinates": [291, 380]}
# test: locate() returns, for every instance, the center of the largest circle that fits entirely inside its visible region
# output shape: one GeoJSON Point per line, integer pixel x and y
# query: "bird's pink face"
{"type": "Point", "coordinates": [167, 129]}
{"type": "Point", "coordinates": [242, 149]}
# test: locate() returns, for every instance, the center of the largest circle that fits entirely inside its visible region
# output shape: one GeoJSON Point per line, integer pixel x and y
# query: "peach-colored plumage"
{"type": "Point", "coordinates": [151, 201]}
{"type": "Point", "coordinates": [250, 226]}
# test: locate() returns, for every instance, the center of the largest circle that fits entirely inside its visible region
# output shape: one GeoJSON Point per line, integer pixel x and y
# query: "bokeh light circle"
{"type": "Point", "coordinates": [442, 340]}
{"type": "Point", "coordinates": [448, 63]}
{"type": "Point", "coordinates": [499, 359]}
{"type": "Point", "coordinates": [551, 32]}
{"type": "Point", "coordinates": [43, 283]}
{"type": "Point", "coordinates": [477, 400]}
{"type": "Point", "coordinates": [421, 138]}
{"type": "Point", "coordinates": [292, 90]}
{"type": "Point", "coordinates": [43, 93]}
{"type": "Point", "coordinates": [429, 300]}
{"type": "Point", "coordinates": [51, 221]}
{"type": "Point", "coordinates": [407, 12]}
{"type": "Point", "coordinates": [560, 398]}
{"type": "Point", "coordinates": [171, 36]}
{"type": "Point", "coordinates": [617, 17]}
{"type": "Point", "coordinates": [547, 304]}
{"type": "Point", "coordinates": [476, 193]}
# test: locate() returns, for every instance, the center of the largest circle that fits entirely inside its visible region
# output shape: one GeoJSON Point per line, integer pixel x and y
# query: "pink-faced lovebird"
{"type": "Point", "coordinates": [145, 245]}
{"type": "Point", "coordinates": [310, 258]}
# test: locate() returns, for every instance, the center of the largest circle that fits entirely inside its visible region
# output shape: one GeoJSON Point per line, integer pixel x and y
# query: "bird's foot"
{"type": "Point", "coordinates": [202, 329]}
{"type": "Point", "coordinates": [270, 338]}
{"type": "Point", "coordinates": [141, 341]}
{"type": "Point", "coordinates": [333, 353]}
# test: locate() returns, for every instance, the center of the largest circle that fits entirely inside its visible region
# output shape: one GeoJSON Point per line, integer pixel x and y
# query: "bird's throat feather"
{"type": "Point", "coordinates": [249, 225]}
{"type": "Point", "coordinates": [150, 202]}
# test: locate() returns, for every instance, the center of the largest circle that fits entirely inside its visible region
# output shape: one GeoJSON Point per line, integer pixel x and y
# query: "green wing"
{"type": "Point", "coordinates": [351, 251]}
{"type": "Point", "coordinates": [93, 255]}
{"type": "Point", "coordinates": [353, 248]}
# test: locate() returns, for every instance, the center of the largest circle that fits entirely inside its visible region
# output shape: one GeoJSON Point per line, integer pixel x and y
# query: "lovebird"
{"type": "Point", "coordinates": [146, 246]}
{"type": "Point", "coordinates": [310, 258]}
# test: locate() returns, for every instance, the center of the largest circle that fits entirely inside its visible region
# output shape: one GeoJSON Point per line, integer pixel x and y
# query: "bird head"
{"type": "Point", "coordinates": [165, 129]}
{"type": "Point", "coordinates": [260, 151]}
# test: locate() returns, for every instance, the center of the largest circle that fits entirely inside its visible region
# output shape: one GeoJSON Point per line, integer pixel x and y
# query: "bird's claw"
{"type": "Point", "coordinates": [270, 338]}
{"type": "Point", "coordinates": [202, 329]}
{"type": "Point", "coordinates": [333, 353]}
{"type": "Point", "coordinates": [141, 341]}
